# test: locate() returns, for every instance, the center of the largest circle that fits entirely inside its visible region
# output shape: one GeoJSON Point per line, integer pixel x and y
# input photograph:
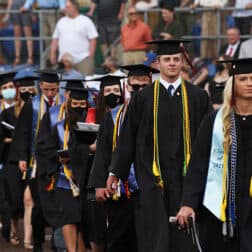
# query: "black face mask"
{"type": "Point", "coordinates": [78, 110]}
{"type": "Point", "coordinates": [25, 96]}
{"type": "Point", "coordinates": [112, 100]}
{"type": "Point", "coordinates": [219, 67]}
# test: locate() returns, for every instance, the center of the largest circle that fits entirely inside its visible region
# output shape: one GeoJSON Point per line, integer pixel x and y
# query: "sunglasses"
{"type": "Point", "coordinates": [137, 87]}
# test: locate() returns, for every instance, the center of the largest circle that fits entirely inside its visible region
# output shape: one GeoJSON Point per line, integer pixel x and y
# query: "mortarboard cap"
{"type": "Point", "coordinates": [139, 70]}
{"type": "Point", "coordinates": [78, 93]}
{"type": "Point", "coordinates": [49, 75]}
{"type": "Point", "coordinates": [6, 77]}
{"type": "Point", "coordinates": [109, 80]}
{"type": "Point", "coordinates": [26, 77]}
{"type": "Point", "coordinates": [168, 47]}
{"type": "Point", "coordinates": [73, 83]}
{"type": "Point", "coordinates": [238, 66]}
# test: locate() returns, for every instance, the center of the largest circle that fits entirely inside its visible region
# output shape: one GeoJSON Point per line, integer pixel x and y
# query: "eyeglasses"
{"type": "Point", "coordinates": [137, 87]}
{"type": "Point", "coordinates": [132, 13]}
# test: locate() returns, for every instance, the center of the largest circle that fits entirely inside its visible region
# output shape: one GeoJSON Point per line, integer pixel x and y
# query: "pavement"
{"type": "Point", "coordinates": [7, 247]}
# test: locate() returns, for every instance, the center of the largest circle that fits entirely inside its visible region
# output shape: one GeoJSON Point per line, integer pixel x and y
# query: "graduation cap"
{"type": "Point", "coordinates": [139, 70]}
{"type": "Point", "coordinates": [49, 75]}
{"type": "Point", "coordinates": [6, 77]}
{"type": "Point", "coordinates": [73, 83]}
{"type": "Point", "coordinates": [238, 66]}
{"type": "Point", "coordinates": [78, 93]}
{"type": "Point", "coordinates": [168, 47]}
{"type": "Point", "coordinates": [26, 77]}
{"type": "Point", "coordinates": [109, 80]}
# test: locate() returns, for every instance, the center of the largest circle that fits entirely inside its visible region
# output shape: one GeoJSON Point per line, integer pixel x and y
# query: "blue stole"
{"type": "Point", "coordinates": [54, 115]}
{"type": "Point", "coordinates": [63, 182]}
{"type": "Point", "coordinates": [133, 185]}
{"type": "Point", "coordinates": [214, 186]}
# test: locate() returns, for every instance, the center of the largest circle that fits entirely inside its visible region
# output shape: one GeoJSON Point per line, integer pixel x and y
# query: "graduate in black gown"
{"type": "Point", "coordinates": [12, 176]}
{"type": "Point", "coordinates": [24, 140]}
{"type": "Point", "coordinates": [65, 173]}
{"type": "Point", "coordinates": [158, 132]}
{"type": "Point", "coordinates": [121, 213]}
{"type": "Point", "coordinates": [218, 186]}
{"type": "Point", "coordinates": [8, 93]}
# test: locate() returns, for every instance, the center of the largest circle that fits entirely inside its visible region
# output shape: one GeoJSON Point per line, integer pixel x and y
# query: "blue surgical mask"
{"type": "Point", "coordinates": [9, 93]}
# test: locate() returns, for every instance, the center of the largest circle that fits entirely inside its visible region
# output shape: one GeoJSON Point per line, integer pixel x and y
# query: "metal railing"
{"type": "Point", "coordinates": [42, 52]}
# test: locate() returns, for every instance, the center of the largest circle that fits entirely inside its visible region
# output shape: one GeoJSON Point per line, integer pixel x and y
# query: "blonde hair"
{"type": "Point", "coordinates": [227, 109]}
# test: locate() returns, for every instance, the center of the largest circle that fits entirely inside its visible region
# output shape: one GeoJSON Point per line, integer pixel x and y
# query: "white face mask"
{"type": "Point", "coordinates": [9, 93]}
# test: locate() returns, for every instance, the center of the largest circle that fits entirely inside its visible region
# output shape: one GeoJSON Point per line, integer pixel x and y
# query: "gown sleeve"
{"type": "Point", "coordinates": [195, 180]}
{"type": "Point", "coordinates": [22, 136]}
{"type": "Point", "coordinates": [124, 154]}
{"type": "Point", "coordinates": [99, 170]}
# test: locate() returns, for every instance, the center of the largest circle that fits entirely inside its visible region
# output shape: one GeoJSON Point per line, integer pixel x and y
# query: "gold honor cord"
{"type": "Point", "coordinates": [223, 216]}
{"type": "Point", "coordinates": [250, 188]}
{"type": "Point", "coordinates": [186, 132]}
{"type": "Point", "coordinates": [68, 173]}
{"type": "Point", "coordinates": [61, 115]}
{"type": "Point", "coordinates": [2, 106]}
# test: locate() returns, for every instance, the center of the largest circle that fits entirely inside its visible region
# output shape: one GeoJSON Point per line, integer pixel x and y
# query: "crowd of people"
{"type": "Point", "coordinates": [150, 155]}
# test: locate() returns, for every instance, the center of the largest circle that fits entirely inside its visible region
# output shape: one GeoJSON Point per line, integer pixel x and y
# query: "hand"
{"type": "Point", "coordinates": [112, 184]}
{"type": "Point", "coordinates": [53, 59]}
{"type": "Point", "coordinates": [248, 6]}
{"type": "Point", "coordinates": [7, 140]}
{"type": "Point", "coordinates": [120, 16]}
{"type": "Point", "coordinates": [183, 214]}
{"type": "Point", "coordinates": [193, 6]}
{"type": "Point", "coordinates": [22, 9]}
{"type": "Point", "coordinates": [101, 194]}
{"type": "Point", "coordinates": [90, 14]}
{"type": "Point", "coordinates": [22, 165]}
{"type": "Point", "coordinates": [5, 18]}
{"type": "Point", "coordinates": [166, 35]}
{"type": "Point", "coordinates": [64, 160]}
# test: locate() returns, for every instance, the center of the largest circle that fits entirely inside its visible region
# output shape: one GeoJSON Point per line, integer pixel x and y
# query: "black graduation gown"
{"type": "Point", "coordinates": [62, 208]}
{"type": "Point", "coordinates": [195, 182]}
{"type": "Point", "coordinates": [12, 174]}
{"type": "Point", "coordinates": [136, 145]}
{"type": "Point", "coordinates": [121, 229]}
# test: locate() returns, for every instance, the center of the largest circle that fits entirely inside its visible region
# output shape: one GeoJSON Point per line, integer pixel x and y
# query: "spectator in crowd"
{"type": "Point", "coordinates": [216, 85]}
{"type": "Point", "coordinates": [200, 76]}
{"type": "Point", "coordinates": [232, 47]}
{"type": "Point", "coordinates": [245, 50]}
{"type": "Point", "coordinates": [187, 19]}
{"type": "Point", "coordinates": [22, 21]}
{"type": "Point", "coordinates": [169, 27]}
{"type": "Point", "coordinates": [49, 19]}
{"type": "Point", "coordinates": [243, 18]}
{"type": "Point", "coordinates": [110, 66]}
{"type": "Point", "coordinates": [66, 62]}
{"type": "Point", "coordinates": [145, 4]}
{"type": "Point", "coordinates": [151, 61]}
{"type": "Point", "coordinates": [110, 15]}
{"type": "Point", "coordinates": [75, 34]}
{"type": "Point", "coordinates": [209, 26]}
{"type": "Point", "coordinates": [133, 37]}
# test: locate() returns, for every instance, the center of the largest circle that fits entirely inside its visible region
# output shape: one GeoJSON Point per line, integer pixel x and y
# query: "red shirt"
{"type": "Point", "coordinates": [134, 36]}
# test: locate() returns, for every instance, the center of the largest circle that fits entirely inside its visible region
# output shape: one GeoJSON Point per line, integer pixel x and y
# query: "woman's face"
{"type": "Point", "coordinates": [243, 86]}
{"type": "Point", "coordinates": [113, 89]}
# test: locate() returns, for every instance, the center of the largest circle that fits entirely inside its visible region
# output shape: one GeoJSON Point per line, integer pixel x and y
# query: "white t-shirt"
{"type": "Point", "coordinates": [73, 36]}
{"type": "Point", "coordinates": [242, 13]}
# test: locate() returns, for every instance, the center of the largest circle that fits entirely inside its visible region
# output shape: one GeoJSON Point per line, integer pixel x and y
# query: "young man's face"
{"type": "Point", "coordinates": [137, 84]}
{"type": "Point", "coordinates": [49, 90]}
{"type": "Point", "coordinates": [170, 65]}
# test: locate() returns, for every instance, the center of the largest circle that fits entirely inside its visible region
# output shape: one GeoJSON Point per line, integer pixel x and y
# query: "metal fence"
{"type": "Point", "coordinates": [43, 51]}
